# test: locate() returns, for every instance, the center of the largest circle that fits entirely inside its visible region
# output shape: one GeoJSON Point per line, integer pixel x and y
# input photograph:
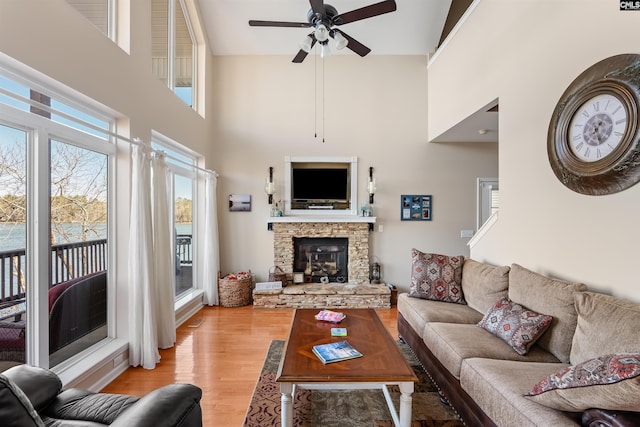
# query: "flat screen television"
{"type": "Point", "coordinates": [321, 187]}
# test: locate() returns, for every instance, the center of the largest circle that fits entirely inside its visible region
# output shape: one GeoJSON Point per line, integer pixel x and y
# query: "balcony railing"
{"type": "Point", "coordinates": [69, 261]}
{"type": "Point", "coordinates": [183, 249]}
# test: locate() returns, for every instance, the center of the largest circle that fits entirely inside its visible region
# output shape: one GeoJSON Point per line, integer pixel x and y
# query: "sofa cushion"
{"type": "Point", "coordinates": [452, 343]}
{"type": "Point", "coordinates": [418, 312]}
{"type": "Point", "coordinates": [436, 277]}
{"type": "Point", "coordinates": [609, 382]}
{"type": "Point", "coordinates": [514, 324]}
{"type": "Point", "coordinates": [483, 284]}
{"type": "Point", "coordinates": [552, 297]}
{"type": "Point", "coordinates": [498, 387]}
{"type": "Point", "coordinates": [599, 318]}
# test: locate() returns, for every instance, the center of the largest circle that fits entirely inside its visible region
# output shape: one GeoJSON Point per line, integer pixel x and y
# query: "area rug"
{"type": "Point", "coordinates": [353, 408]}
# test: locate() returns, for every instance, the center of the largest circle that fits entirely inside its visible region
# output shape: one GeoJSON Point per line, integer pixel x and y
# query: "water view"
{"type": "Point", "coordinates": [13, 236]}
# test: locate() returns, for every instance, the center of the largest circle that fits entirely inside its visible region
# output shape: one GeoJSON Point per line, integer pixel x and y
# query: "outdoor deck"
{"type": "Point", "coordinates": [70, 263]}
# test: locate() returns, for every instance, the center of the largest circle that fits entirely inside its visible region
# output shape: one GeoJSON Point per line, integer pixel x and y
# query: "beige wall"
{"type": "Point", "coordinates": [375, 109]}
{"type": "Point", "coordinates": [527, 57]}
{"type": "Point", "coordinates": [261, 109]}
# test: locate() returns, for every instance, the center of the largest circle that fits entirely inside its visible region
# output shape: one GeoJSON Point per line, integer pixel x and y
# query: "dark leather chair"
{"type": "Point", "coordinates": [31, 396]}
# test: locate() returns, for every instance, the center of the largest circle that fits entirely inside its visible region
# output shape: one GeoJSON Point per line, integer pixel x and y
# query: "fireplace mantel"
{"type": "Point", "coordinates": [321, 219]}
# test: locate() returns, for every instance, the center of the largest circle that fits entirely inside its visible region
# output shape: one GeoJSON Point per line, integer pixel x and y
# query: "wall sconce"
{"type": "Point", "coordinates": [269, 185]}
{"type": "Point", "coordinates": [371, 185]}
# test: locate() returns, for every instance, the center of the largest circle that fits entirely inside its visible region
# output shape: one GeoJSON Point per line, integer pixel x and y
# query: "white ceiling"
{"type": "Point", "coordinates": [414, 28]}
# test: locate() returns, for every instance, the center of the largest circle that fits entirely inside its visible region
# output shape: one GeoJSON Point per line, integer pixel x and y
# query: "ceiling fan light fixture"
{"type": "Point", "coordinates": [325, 51]}
{"type": "Point", "coordinates": [305, 44]}
{"type": "Point", "coordinates": [322, 33]}
{"type": "Point", "coordinates": [341, 41]}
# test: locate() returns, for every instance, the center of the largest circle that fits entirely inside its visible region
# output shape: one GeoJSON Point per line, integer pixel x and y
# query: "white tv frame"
{"type": "Point", "coordinates": [353, 200]}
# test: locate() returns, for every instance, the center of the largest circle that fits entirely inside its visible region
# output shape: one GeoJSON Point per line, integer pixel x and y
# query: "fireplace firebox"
{"type": "Point", "coordinates": [322, 259]}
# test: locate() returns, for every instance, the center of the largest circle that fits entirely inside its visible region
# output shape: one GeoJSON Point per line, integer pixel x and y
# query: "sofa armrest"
{"type": "Point", "coordinates": [41, 386]}
{"type": "Point", "coordinates": [172, 405]}
{"type": "Point", "coordinates": [602, 418]}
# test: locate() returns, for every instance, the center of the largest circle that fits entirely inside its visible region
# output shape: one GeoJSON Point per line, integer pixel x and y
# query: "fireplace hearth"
{"type": "Point", "coordinates": [323, 260]}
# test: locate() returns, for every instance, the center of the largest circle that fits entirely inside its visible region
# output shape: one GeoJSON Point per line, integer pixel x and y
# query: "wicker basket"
{"type": "Point", "coordinates": [236, 292]}
{"type": "Point", "coordinates": [277, 275]}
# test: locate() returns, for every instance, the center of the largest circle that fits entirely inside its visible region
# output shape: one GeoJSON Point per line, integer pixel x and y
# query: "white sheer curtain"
{"type": "Point", "coordinates": [143, 341]}
{"type": "Point", "coordinates": [211, 255]}
{"type": "Point", "coordinates": [164, 250]}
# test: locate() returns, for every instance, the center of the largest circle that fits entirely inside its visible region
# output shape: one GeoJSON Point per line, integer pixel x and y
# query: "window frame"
{"type": "Point", "coordinates": [179, 167]}
{"type": "Point", "coordinates": [39, 131]}
{"type": "Point", "coordinates": [171, 49]}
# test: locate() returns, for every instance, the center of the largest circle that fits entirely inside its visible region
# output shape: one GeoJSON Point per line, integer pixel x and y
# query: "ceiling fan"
{"type": "Point", "coordinates": [323, 18]}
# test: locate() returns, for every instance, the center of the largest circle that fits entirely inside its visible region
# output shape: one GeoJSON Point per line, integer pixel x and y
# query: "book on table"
{"type": "Point", "coordinates": [335, 352]}
{"type": "Point", "coordinates": [331, 316]}
{"type": "Point", "coordinates": [338, 332]}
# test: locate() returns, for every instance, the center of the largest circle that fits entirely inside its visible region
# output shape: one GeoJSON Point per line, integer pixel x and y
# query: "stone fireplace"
{"type": "Point", "coordinates": [329, 242]}
{"type": "Point", "coordinates": [356, 235]}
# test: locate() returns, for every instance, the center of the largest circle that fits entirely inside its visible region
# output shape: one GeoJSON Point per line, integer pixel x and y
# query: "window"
{"type": "Point", "coordinates": [61, 271]}
{"type": "Point", "coordinates": [173, 47]}
{"type": "Point", "coordinates": [181, 191]}
{"type": "Point", "coordinates": [13, 244]}
{"type": "Point", "coordinates": [99, 12]}
{"type": "Point", "coordinates": [79, 199]}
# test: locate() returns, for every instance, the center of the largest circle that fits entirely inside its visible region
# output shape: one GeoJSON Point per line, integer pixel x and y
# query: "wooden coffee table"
{"type": "Point", "coordinates": [382, 363]}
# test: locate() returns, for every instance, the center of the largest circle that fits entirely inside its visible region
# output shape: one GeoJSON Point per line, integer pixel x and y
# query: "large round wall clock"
{"type": "Point", "coordinates": [594, 140]}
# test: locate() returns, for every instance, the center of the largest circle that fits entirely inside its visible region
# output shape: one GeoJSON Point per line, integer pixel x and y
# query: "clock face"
{"type": "Point", "coordinates": [597, 127]}
{"type": "Point", "coordinates": [593, 141]}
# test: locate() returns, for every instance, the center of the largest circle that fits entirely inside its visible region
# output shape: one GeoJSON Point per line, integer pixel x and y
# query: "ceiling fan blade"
{"type": "Point", "coordinates": [365, 12]}
{"type": "Point", "coordinates": [354, 44]}
{"type": "Point", "coordinates": [317, 6]}
{"type": "Point", "coordinates": [302, 54]}
{"type": "Point", "coordinates": [254, 23]}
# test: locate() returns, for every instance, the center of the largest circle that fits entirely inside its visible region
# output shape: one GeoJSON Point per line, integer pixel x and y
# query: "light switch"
{"type": "Point", "coordinates": [466, 233]}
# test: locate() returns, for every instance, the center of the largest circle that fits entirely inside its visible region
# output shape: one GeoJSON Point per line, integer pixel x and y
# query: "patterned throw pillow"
{"type": "Point", "coordinates": [436, 277]}
{"type": "Point", "coordinates": [517, 326]}
{"type": "Point", "coordinates": [610, 382]}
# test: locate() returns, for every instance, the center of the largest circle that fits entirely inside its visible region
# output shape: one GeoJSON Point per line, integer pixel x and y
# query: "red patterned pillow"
{"type": "Point", "coordinates": [517, 326]}
{"type": "Point", "coordinates": [609, 382]}
{"type": "Point", "coordinates": [436, 277]}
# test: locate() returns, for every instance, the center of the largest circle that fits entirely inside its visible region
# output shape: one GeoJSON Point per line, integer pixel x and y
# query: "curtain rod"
{"type": "Point", "coordinates": [81, 122]}
{"type": "Point", "coordinates": [138, 141]}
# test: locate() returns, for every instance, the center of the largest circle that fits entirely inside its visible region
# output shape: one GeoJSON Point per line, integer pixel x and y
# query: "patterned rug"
{"type": "Point", "coordinates": [354, 408]}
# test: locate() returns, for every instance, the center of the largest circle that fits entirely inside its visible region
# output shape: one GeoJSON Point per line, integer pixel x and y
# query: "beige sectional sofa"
{"type": "Point", "coordinates": [482, 375]}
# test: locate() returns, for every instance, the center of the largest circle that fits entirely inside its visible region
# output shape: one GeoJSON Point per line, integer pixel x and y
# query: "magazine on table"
{"type": "Point", "coordinates": [331, 316]}
{"type": "Point", "coordinates": [335, 352]}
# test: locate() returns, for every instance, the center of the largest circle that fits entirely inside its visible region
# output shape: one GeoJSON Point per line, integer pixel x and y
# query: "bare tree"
{"type": "Point", "coordinates": [78, 193]}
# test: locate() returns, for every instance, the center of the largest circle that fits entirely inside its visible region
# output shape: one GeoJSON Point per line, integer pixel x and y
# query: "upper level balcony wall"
{"type": "Point", "coordinates": [526, 54]}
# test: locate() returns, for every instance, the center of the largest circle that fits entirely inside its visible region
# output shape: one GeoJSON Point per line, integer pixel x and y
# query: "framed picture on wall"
{"type": "Point", "coordinates": [415, 207]}
{"type": "Point", "coordinates": [239, 202]}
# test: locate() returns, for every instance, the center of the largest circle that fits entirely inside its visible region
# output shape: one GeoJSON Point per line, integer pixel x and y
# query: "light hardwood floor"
{"type": "Point", "coordinates": [223, 356]}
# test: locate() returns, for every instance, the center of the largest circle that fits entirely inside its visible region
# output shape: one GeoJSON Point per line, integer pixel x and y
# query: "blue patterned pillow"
{"type": "Point", "coordinates": [436, 277]}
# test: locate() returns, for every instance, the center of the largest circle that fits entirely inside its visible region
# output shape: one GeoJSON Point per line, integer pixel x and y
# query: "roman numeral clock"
{"type": "Point", "coordinates": [594, 140]}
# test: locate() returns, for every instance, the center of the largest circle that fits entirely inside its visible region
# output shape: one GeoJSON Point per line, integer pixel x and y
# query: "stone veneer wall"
{"type": "Point", "coordinates": [356, 232]}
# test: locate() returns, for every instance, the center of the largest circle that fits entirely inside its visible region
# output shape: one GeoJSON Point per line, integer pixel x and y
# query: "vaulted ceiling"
{"type": "Point", "coordinates": [414, 28]}
{"type": "Point", "coordinates": [417, 27]}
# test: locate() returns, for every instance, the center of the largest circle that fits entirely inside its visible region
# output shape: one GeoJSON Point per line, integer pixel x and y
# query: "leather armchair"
{"type": "Point", "coordinates": [31, 396]}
